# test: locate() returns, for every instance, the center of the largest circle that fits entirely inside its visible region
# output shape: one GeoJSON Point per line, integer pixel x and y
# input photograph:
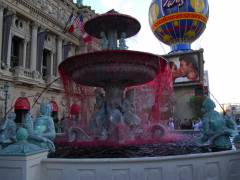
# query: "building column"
{"type": "Point", "coordinates": [50, 66]}
{"type": "Point", "coordinates": [59, 50]}
{"type": "Point", "coordinates": [9, 50]}
{"type": "Point", "coordinates": [24, 53]}
{"type": "Point", "coordinates": [1, 30]}
{"type": "Point", "coordinates": [34, 47]}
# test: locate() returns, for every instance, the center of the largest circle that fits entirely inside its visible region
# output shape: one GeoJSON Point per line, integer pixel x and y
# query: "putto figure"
{"type": "Point", "coordinates": [122, 42]}
{"type": "Point", "coordinates": [43, 131]}
{"type": "Point", "coordinates": [104, 41]}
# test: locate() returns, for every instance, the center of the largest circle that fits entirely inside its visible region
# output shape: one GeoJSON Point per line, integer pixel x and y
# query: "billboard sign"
{"type": "Point", "coordinates": [187, 68]}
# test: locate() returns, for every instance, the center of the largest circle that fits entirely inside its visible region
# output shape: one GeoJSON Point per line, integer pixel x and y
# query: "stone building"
{"type": "Point", "coordinates": [32, 44]}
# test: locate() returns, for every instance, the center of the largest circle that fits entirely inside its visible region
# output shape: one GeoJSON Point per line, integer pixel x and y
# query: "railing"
{"type": "Point", "coordinates": [19, 71]}
{"type": "Point", "coordinates": [28, 73]}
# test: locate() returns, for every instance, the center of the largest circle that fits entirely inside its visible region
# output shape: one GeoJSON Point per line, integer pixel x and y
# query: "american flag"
{"type": "Point", "coordinates": [79, 23]}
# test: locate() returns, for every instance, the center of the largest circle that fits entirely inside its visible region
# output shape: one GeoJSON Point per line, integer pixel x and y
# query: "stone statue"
{"type": "Point", "coordinates": [130, 118]}
{"type": "Point", "coordinates": [216, 130]}
{"type": "Point", "coordinates": [22, 146]}
{"type": "Point", "coordinates": [104, 41]}
{"type": "Point", "coordinates": [122, 42]}
{"type": "Point", "coordinates": [43, 131]}
{"type": "Point", "coordinates": [98, 121]}
{"type": "Point", "coordinates": [8, 129]}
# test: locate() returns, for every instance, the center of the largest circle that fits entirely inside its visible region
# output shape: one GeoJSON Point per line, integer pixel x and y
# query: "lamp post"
{"type": "Point", "coordinates": [5, 90]}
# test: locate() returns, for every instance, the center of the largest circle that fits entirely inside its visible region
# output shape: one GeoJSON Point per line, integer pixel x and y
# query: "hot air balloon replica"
{"type": "Point", "coordinates": [178, 23]}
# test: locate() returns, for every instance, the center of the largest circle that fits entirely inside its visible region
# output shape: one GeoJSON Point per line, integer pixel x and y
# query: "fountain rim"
{"type": "Point", "coordinates": [161, 59]}
{"type": "Point", "coordinates": [114, 51]}
{"type": "Point", "coordinates": [142, 159]}
{"type": "Point", "coordinates": [112, 16]}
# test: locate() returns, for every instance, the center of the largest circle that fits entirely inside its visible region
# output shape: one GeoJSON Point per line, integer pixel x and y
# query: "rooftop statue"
{"type": "Point", "coordinates": [216, 130]}
{"type": "Point", "coordinates": [43, 131]}
{"type": "Point", "coordinates": [79, 2]}
{"type": "Point", "coordinates": [8, 129]}
{"type": "Point", "coordinates": [122, 42]}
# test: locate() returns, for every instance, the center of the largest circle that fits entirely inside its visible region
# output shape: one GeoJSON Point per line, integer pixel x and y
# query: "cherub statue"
{"type": "Point", "coordinates": [216, 130]}
{"type": "Point", "coordinates": [98, 121]}
{"type": "Point", "coordinates": [104, 41]}
{"type": "Point", "coordinates": [8, 129]}
{"type": "Point", "coordinates": [43, 131]}
{"type": "Point", "coordinates": [129, 116]}
{"type": "Point", "coordinates": [122, 42]}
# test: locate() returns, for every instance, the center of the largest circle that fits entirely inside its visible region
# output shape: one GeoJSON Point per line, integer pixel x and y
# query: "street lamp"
{"type": "Point", "coordinates": [5, 90]}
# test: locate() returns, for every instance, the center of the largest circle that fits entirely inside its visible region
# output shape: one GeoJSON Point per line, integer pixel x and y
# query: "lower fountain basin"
{"type": "Point", "coordinates": [223, 165]}
{"type": "Point", "coordinates": [115, 67]}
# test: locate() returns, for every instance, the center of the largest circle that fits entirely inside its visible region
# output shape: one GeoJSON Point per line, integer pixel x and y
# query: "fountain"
{"type": "Point", "coordinates": [119, 75]}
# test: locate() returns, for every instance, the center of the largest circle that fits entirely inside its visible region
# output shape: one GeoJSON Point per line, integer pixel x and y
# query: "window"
{"type": "Point", "coordinates": [45, 62]}
{"type": "Point", "coordinates": [16, 51]}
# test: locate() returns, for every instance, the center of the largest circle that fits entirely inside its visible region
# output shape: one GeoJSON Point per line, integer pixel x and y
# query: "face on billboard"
{"type": "Point", "coordinates": [185, 68]}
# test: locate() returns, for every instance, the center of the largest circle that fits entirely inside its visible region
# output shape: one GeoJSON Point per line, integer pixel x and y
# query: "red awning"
{"type": "Point", "coordinates": [54, 106]}
{"type": "Point", "coordinates": [75, 109]}
{"type": "Point", "coordinates": [22, 103]}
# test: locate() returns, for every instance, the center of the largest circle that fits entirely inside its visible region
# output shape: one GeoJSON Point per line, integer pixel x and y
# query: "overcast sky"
{"type": "Point", "coordinates": [220, 41]}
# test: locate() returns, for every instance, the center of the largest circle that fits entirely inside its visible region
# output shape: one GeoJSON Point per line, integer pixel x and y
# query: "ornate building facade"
{"type": "Point", "coordinates": [32, 45]}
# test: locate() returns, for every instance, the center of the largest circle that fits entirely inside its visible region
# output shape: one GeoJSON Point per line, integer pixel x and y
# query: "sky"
{"type": "Point", "coordinates": [220, 41]}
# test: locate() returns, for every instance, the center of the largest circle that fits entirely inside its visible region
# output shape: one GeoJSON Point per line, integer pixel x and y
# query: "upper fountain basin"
{"type": "Point", "coordinates": [112, 20]}
{"type": "Point", "coordinates": [112, 67]}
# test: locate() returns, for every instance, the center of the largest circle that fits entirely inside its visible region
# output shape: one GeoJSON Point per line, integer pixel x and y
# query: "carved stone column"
{"type": "Point", "coordinates": [50, 76]}
{"type": "Point", "coordinates": [9, 49]}
{"type": "Point", "coordinates": [50, 65]}
{"type": "Point", "coordinates": [1, 30]}
{"type": "Point", "coordinates": [59, 50]}
{"type": "Point", "coordinates": [24, 53]}
{"type": "Point", "coordinates": [34, 47]}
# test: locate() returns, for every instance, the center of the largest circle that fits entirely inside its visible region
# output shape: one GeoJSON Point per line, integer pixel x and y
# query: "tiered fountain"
{"type": "Point", "coordinates": [113, 69]}
{"type": "Point", "coordinates": [117, 71]}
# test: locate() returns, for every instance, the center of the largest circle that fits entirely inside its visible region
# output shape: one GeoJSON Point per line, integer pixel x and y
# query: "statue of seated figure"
{"type": "Point", "coordinates": [216, 130]}
{"type": "Point", "coordinates": [43, 132]}
{"type": "Point", "coordinates": [8, 129]}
